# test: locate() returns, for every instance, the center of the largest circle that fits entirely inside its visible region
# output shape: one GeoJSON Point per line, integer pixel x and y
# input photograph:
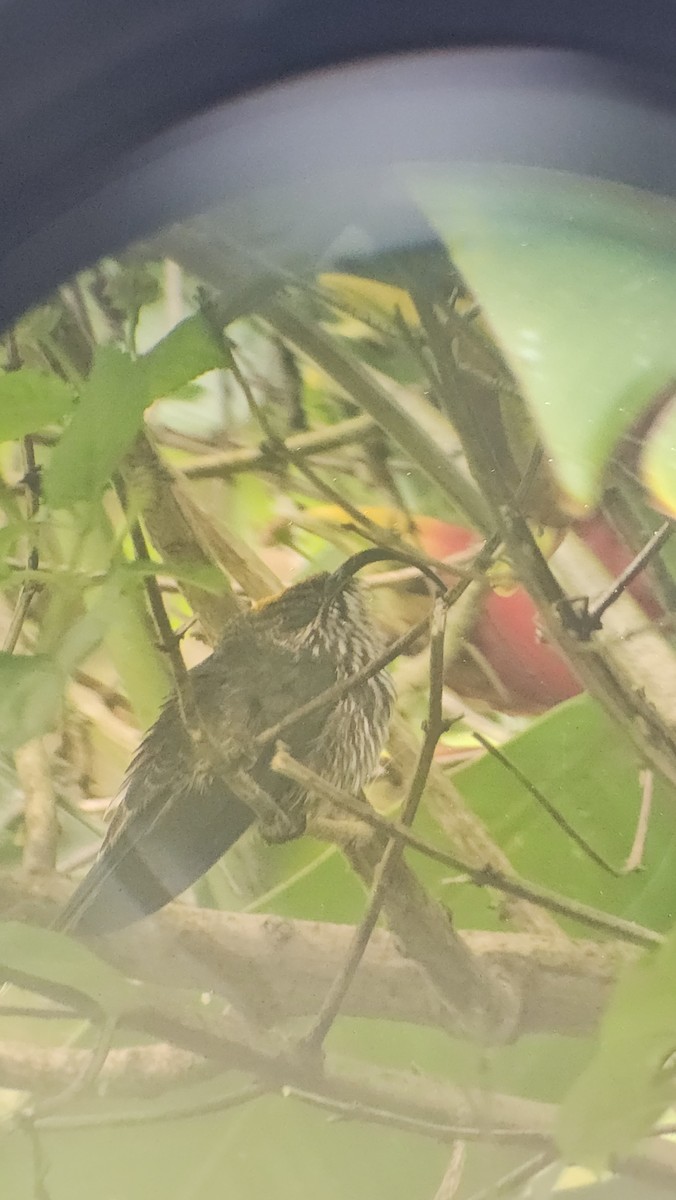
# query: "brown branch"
{"type": "Point", "coordinates": [300, 445]}
{"type": "Point", "coordinates": [403, 1099]}
{"type": "Point", "coordinates": [176, 528]}
{"type": "Point", "coordinates": [90, 1070]}
{"type": "Point", "coordinates": [140, 1071]}
{"type": "Point", "coordinates": [479, 1000]}
{"type": "Point", "coordinates": [41, 828]}
{"type": "Point", "coordinates": [283, 968]}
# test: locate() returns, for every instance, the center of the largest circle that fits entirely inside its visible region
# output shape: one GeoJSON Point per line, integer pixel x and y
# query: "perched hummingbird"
{"type": "Point", "coordinates": [177, 815]}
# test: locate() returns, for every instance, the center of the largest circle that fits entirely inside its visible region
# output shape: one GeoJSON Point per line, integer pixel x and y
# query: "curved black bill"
{"type": "Point", "coordinates": [337, 580]}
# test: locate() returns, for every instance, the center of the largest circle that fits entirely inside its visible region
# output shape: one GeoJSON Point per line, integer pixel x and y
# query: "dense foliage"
{"type": "Point", "coordinates": [181, 437]}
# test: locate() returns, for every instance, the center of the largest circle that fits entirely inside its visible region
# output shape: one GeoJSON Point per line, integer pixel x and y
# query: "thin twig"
{"type": "Point", "coordinates": [450, 1184]}
{"type": "Point", "coordinates": [181, 532]}
{"type": "Point", "coordinates": [635, 856]}
{"type": "Point", "coordinates": [39, 1161]}
{"type": "Point", "coordinates": [622, 508]}
{"type": "Point", "coordinates": [653, 545]}
{"type": "Point", "coordinates": [487, 876]}
{"type": "Point", "coordinates": [438, 1130]}
{"type": "Point", "coordinates": [515, 1179]}
{"type": "Point", "coordinates": [176, 1112]}
{"type": "Point", "coordinates": [365, 526]}
{"type": "Point", "coordinates": [300, 445]}
{"type": "Point", "coordinates": [87, 1076]}
{"type": "Point", "coordinates": [408, 419]}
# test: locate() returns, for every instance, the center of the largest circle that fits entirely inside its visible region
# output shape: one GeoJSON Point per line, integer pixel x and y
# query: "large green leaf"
{"type": "Point", "coordinates": [31, 954]}
{"type": "Point", "coordinates": [576, 757]}
{"type": "Point", "coordinates": [31, 688]}
{"type": "Point", "coordinates": [108, 417]}
{"type": "Point", "coordinates": [630, 1080]}
{"type": "Point", "coordinates": [190, 349]}
{"type": "Point", "coordinates": [87, 632]}
{"type": "Point", "coordinates": [29, 400]}
{"type": "Point", "coordinates": [112, 403]}
{"type": "Point", "coordinates": [577, 279]}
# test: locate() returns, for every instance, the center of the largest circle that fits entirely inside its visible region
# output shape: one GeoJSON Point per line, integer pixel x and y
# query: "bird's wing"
{"type": "Point", "coordinates": [177, 816]}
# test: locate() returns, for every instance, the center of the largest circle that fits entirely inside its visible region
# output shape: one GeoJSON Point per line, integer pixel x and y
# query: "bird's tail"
{"type": "Point", "coordinates": [156, 852]}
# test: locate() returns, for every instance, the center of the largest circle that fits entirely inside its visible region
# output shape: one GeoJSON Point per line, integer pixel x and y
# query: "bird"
{"type": "Point", "coordinates": [179, 811]}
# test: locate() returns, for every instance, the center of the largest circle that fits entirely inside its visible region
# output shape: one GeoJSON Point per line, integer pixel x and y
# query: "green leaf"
{"type": "Point", "coordinates": [576, 757]}
{"type": "Point", "coordinates": [577, 280]}
{"type": "Point", "coordinates": [43, 955]}
{"type": "Point", "coordinates": [107, 420]}
{"type": "Point", "coordinates": [203, 575]}
{"type": "Point", "coordinates": [630, 1080]}
{"type": "Point", "coordinates": [31, 688]}
{"type": "Point", "coordinates": [190, 349]}
{"type": "Point", "coordinates": [140, 665]}
{"type": "Point", "coordinates": [29, 400]}
{"type": "Point", "coordinates": [87, 632]}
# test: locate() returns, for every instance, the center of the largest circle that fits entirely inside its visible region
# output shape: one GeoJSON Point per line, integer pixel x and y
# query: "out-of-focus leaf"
{"type": "Point", "coordinates": [9, 536]}
{"type": "Point", "coordinates": [103, 428]}
{"type": "Point", "coordinates": [31, 688]}
{"type": "Point", "coordinates": [112, 403]}
{"type": "Point", "coordinates": [132, 287]}
{"type": "Point", "coordinates": [630, 1080]}
{"type": "Point", "coordinates": [29, 400]}
{"type": "Point", "coordinates": [577, 279]}
{"type": "Point", "coordinates": [273, 1146]}
{"type": "Point", "coordinates": [658, 460]}
{"type": "Point", "coordinates": [42, 954]}
{"type": "Point", "coordinates": [128, 638]}
{"type": "Point", "coordinates": [138, 661]}
{"type": "Point", "coordinates": [202, 575]}
{"type": "Point", "coordinates": [190, 349]}
{"type": "Point", "coordinates": [86, 633]}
